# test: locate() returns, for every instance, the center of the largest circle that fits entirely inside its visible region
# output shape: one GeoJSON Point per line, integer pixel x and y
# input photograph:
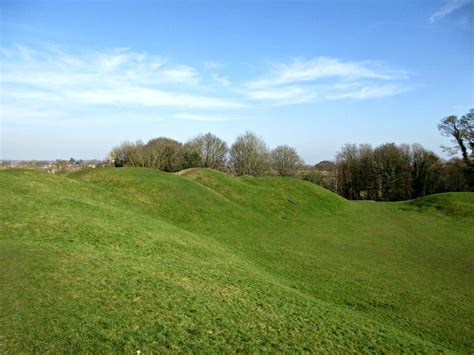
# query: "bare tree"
{"type": "Point", "coordinates": [393, 171]}
{"type": "Point", "coordinates": [249, 155]}
{"type": "Point", "coordinates": [211, 149]}
{"type": "Point", "coordinates": [348, 165]}
{"type": "Point", "coordinates": [128, 154]}
{"type": "Point", "coordinates": [426, 171]}
{"type": "Point", "coordinates": [286, 161]}
{"type": "Point", "coordinates": [462, 132]}
{"type": "Point", "coordinates": [467, 126]}
{"type": "Point", "coordinates": [453, 177]}
{"type": "Point", "coordinates": [164, 154]}
{"type": "Point", "coordinates": [388, 172]}
{"type": "Point", "coordinates": [117, 156]}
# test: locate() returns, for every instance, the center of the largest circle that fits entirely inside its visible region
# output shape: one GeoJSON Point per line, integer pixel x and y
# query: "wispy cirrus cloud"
{"type": "Point", "coordinates": [449, 7]}
{"type": "Point", "coordinates": [118, 77]}
{"type": "Point", "coordinates": [369, 91]}
{"type": "Point", "coordinates": [301, 70]}
{"type": "Point", "coordinates": [324, 78]}
{"type": "Point", "coordinates": [286, 95]}
{"type": "Point", "coordinates": [54, 85]}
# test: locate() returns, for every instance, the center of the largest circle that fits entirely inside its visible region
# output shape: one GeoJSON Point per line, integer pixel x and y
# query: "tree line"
{"type": "Point", "coordinates": [388, 172]}
{"type": "Point", "coordinates": [248, 155]}
{"type": "Point", "coordinates": [393, 172]}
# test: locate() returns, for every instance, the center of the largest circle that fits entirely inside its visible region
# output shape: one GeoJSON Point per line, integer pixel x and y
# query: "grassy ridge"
{"type": "Point", "coordinates": [128, 259]}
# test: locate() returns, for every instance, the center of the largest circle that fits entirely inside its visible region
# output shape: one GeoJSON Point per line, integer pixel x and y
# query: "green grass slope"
{"type": "Point", "coordinates": [135, 259]}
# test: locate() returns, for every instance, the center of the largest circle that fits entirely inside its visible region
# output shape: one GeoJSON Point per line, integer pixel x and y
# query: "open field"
{"type": "Point", "coordinates": [136, 259]}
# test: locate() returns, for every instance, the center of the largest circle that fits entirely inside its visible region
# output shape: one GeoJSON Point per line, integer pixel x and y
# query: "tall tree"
{"type": "Point", "coordinates": [467, 127]}
{"type": "Point", "coordinates": [393, 170]}
{"type": "Point", "coordinates": [249, 155]}
{"type": "Point", "coordinates": [128, 154]}
{"type": "Point", "coordinates": [367, 172]}
{"type": "Point", "coordinates": [191, 157]}
{"type": "Point", "coordinates": [426, 171]}
{"type": "Point", "coordinates": [164, 154]}
{"type": "Point", "coordinates": [286, 161]}
{"type": "Point", "coordinates": [462, 133]}
{"type": "Point", "coordinates": [211, 149]}
{"type": "Point", "coordinates": [453, 177]}
{"type": "Point", "coordinates": [348, 164]}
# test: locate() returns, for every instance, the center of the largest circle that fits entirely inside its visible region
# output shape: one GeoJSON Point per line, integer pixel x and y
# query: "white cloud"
{"type": "Point", "coordinates": [181, 74]}
{"type": "Point", "coordinates": [119, 77]}
{"type": "Point", "coordinates": [285, 95]}
{"type": "Point", "coordinates": [370, 91]}
{"type": "Point", "coordinates": [324, 78]}
{"type": "Point", "coordinates": [449, 7]}
{"type": "Point", "coordinates": [38, 82]}
{"type": "Point", "coordinates": [300, 70]}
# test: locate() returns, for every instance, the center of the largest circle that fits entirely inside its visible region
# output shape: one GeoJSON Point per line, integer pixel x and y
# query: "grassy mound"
{"type": "Point", "coordinates": [459, 204]}
{"type": "Point", "coordinates": [136, 259]}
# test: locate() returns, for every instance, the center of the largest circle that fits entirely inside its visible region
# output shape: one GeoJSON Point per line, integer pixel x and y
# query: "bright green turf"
{"type": "Point", "coordinates": [135, 259]}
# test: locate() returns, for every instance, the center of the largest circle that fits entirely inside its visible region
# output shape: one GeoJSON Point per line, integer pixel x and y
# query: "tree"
{"type": "Point", "coordinates": [467, 126]}
{"type": "Point", "coordinates": [328, 175]}
{"type": "Point", "coordinates": [191, 157]}
{"type": "Point", "coordinates": [117, 157]}
{"type": "Point", "coordinates": [426, 171]}
{"type": "Point", "coordinates": [159, 153]}
{"type": "Point", "coordinates": [393, 171]}
{"type": "Point", "coordinates": [314, 176]}
{"type": "Point", "coordinates": [348, 165]}
{"type": "Point", "coordinates": [128, 154]}
{"type": "Point", "coordinates": [286, 161]}
{"type": "Point", "coordinates": [164, 154]}
{"type": "Point", "coordinates": [462, 132]}
{"type": "Point", "coordinates": [211, 149]}
{"type": "Point", "coordinates": [367, 172]}
{"type": "Point", "coordinates": [453, 177]}
{"type": "Point", "coordinates": [249, 155]}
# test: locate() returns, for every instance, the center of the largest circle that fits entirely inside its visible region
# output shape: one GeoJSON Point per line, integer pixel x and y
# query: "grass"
{"type": "Point", "coordinates": [119, 260]}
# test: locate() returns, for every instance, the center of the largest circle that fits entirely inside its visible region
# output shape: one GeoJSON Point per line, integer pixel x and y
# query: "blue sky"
{"type": "Point", "coordinates": [78, 78]}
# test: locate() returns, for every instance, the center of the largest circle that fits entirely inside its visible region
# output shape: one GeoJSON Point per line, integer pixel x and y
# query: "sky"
{"type": "Point", "coordinates": [79, 77]}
